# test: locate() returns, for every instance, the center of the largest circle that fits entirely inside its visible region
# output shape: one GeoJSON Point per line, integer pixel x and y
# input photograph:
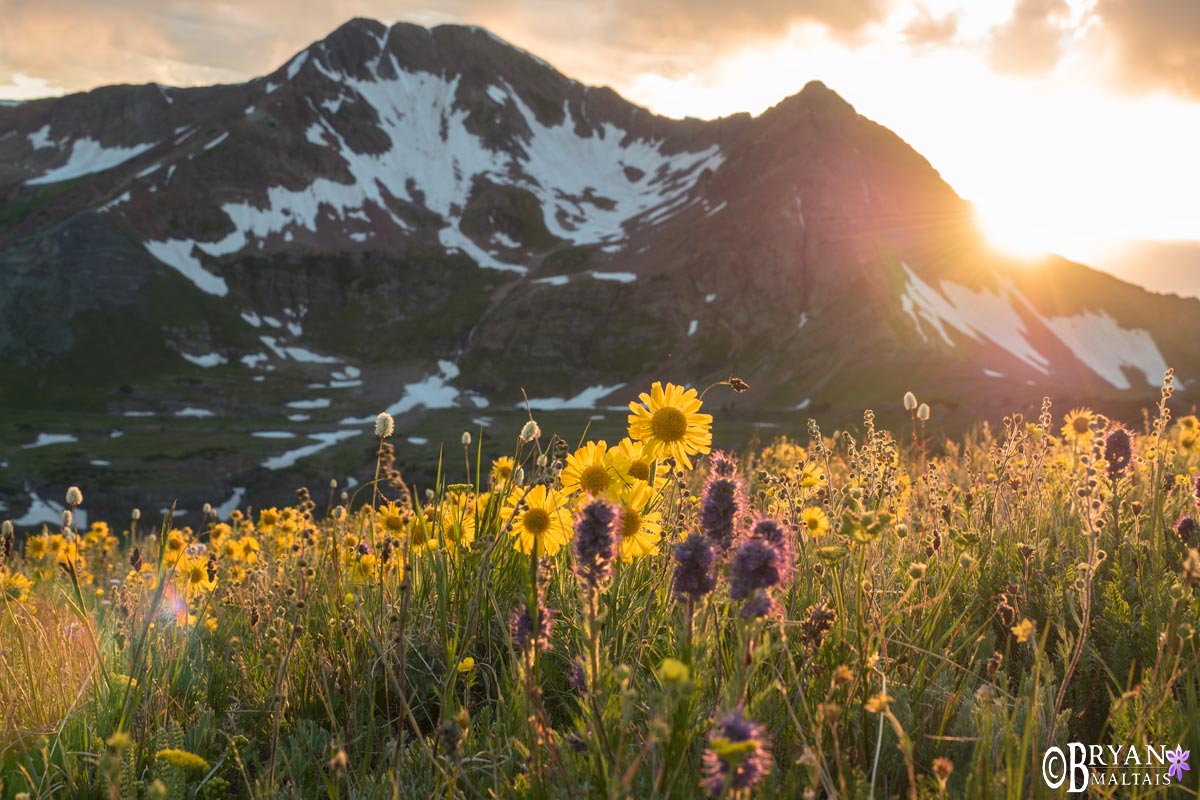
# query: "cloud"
{"type": "Point", "coordinates": [1031, 41]}
{"type": "Point", "coordinates": [1156, 43]}
{"type": "Point", "coordinates": [76, 44]}
{"type": "Point", "coordinates": [926, 30]}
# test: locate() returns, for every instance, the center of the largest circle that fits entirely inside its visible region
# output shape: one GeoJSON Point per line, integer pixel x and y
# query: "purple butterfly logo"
{"type": "Point", "coordinates": [1178, 761]}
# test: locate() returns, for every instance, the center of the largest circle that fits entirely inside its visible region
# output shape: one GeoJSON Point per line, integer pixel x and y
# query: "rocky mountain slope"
{"type": "Point", "coordinates": [225, 284]}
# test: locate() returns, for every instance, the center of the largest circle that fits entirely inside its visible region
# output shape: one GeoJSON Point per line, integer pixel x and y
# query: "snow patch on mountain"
{"type": "Point", "coordinates": [40, 139]}
{"type": "Point", "coordinates": [89, 156]}
{"type": "Point", "coordinates": [978, 315]}
{"type": "Point", "coordinates": [207, 360]}
{"type": "Point", "coordinates": [584, 183]}
{"type": "Point", "coordinates": [1094, 337]}
{"type": "Point", "coordinates": [584, 400]}
{"type": "Point", "coordinates": [177, 254]}
{"type": "Point", "coordinates": [1098, 341]}
{"type": "Point", "coordinates": [323, 441]}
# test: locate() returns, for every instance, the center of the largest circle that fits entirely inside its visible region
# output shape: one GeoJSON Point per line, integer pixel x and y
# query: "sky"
{"type": "Point", "coordinates": [1070, 124]}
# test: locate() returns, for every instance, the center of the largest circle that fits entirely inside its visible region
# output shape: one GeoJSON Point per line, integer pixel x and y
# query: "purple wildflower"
{"type": "Point", "coordinates": [757, 564]}
{"type": "Point", "coordinates": [693, 568]}
{"type": "Point", "coordinates": [723, 501]}
{"type": "Point", "coordinates": [1118, 452]}
{"type": "Point", "coordinates": [1185, 529]}
{"type": "Point", "coordinates": [595, 543]}
{"type": "Point", "coordinates": [524, 627]}
{"type": "Point", "coordinates": [760, 604]}
{"type": "Point", "coordinates": [777, 535]}
{"type": "Point", "coordinates": [738, 754]}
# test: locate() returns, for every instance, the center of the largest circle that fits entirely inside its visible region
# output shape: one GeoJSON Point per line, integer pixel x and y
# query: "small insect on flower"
{"type": "Point", "coordinates": [385, 426]}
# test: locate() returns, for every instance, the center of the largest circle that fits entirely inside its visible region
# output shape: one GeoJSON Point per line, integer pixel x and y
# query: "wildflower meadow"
{"type": "Point", "coordinates": [850, 614]}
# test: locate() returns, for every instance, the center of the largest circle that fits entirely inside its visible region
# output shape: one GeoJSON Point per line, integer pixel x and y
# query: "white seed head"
{"type": "Point", "coordinates": [518, 476]}
{"type": "Point", "coordinates": [7, 528]}
{"type": "Point", "coordinates": [542, 460]}
{"type": "Point", "coordinates": [66, 517]}
{"type": "Point", "coordinates": [530, 431]}
{"type": "Point", "coordinates": [332, 484]}
{"type": "Point", "coordinates": [910, 401]}
{"type": "Point", "coordinates": [74, 496]}
{"type": "Point", "coordinates": [385, 426]}
{"type": "Point", "coordinates": [923, 412]}
{"type": "Point", "coordinates": [208, 509]}
{"type": "Point", "coordinates": [136, 514]}
{"type": "Point", "coordinates": [345, 497]}
{"type": "Point", "coordinates": [466, 439]}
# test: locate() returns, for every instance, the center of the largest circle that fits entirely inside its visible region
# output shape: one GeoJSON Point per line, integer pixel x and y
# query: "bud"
{"type": "Point", "coordinates": [518, 476]}
{"type": "Point", "coordinates": [923, 412]}
{"type": "Point", "coordinates": [543, 460]}
{"type": "Point", "coordinates": [207, 510]}
{"type": "Point", "coordinates": [916, 570]}
{"type": "Point", "coordinates": [910, 401]}
{"type": "Point", "coordinates": [385, 426]}
{"type": "Point", "coordinates": [530, 431]}
{"type": "Point", "coordinates": [466, 439]}
{"type": "Point", "coordinates": [74, 496]}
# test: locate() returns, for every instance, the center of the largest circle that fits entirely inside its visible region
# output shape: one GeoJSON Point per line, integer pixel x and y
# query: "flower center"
{"type": "Point", "coordinates": [814, 523]}
{"type": "Point", "coordinates": [536, 521]}
{"type": "Point", "coordinates": [668, 424]}
{"type": "Point", "coordinates": [594, 479]}
{"type": "Point", "coordinates": [639, 470]}
{"type": "Point", "coordinates": [394, 522]}
{"type": "Point", "coordinates": [631, 523]}
{"type": "Point", "coordinates": [1081, 425]}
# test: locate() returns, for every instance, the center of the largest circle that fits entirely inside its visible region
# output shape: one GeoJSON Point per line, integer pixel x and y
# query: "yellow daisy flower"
{"type": "Point", "coordinates": [37, 547]}
{"type": "Point", "coordinates": [632, 461]}
{"type": "Point", "coordinates": [268, 518]}
{"type": "Point", "coordinates": [14, 586]}
{"type": "Point", "coordinates": [1078, 425]}
{"type": "Point", "coordinates": [541, 519]}
{"type": "Point", "coordinates": [814, 521]}
{"type": "Point", "coordinates": [591, 470]}
{"type": "Point", "coordinates": [502, 469]}
{"type": "Point", "coordinates": [668, 421]}
{"type": "Point", "coordinates": [641, 528]}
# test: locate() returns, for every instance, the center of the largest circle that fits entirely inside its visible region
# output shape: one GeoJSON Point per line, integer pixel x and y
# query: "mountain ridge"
{"type": "Point", "coordinates": [429, 220]}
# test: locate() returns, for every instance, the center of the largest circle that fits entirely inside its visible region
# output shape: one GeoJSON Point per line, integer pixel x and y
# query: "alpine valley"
{"type": "Point", "coordinates": [221, 286]}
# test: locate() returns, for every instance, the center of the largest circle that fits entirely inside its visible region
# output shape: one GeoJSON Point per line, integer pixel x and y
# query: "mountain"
{"type": "Point", "coordinates": [219, 287]}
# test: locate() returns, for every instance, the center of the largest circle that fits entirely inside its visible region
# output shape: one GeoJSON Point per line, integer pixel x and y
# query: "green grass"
{"type": "Point", "coordinates": [325, 670]}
